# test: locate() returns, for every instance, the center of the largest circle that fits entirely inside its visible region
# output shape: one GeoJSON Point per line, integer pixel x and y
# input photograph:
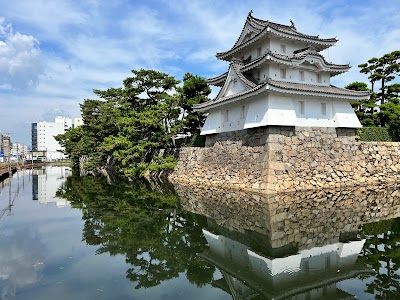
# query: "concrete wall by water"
{"type": "Point", "coordinates": [275, 159]}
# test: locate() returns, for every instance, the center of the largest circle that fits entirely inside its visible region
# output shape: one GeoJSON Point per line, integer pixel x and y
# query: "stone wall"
{"type": "Point", "coordinates": [302, 219]}
{"type": "Point", "coordinates": [274, 159]}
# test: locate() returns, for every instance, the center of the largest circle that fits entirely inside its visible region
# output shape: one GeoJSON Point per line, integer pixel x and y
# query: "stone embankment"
{"type": "Point", "coordinates": [7, 170]}
{"type": "Point", "coordinates": [302, 219]}
{"type": "Point", "coordinates": [276, 159]}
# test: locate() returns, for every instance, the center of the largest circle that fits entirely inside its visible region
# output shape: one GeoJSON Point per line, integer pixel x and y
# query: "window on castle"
{"type": "Point", "coordinates": [259, 52]}
{"type": "Point", "coordinates": [226, 115]}
{"type": "Point", "coordinates": [242, 110]}
{"type": "Point", "coordinates": [301, 107]}
{"type": "Point", "coordinates": [258, 75]}
{"type": "Point", "coordinates": [301, 75]}
{"type": "Point", "coordinates": [283, 73]}
{"type": "Point", "coordinates": [319, 78]}
{"type": "Point", "coordinates": [323, 109]}
{"type": "Point", "coordinates": [327, 262]}
{"type": "Point", "coordinates": [283, 48]}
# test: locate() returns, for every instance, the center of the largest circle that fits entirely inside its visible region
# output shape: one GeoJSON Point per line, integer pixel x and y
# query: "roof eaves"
{"type": "Point", "coordinates": [233, 50]}
{"type": "Point", "coordinates": [218, 79]}
{"type": "Point", "coordinates": [221, 101]}
{"type": "Point", "coordinates": [291, 88]}
{"type": "Point", "coordinates": [302, 37]}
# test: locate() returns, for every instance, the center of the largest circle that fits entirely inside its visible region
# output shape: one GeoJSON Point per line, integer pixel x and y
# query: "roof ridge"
{"type": "Point", "coordinates": [260, 27]}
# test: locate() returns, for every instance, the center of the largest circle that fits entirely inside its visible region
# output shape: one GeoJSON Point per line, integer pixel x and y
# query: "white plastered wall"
{"type": "Point", "coordinates": [275, 109]}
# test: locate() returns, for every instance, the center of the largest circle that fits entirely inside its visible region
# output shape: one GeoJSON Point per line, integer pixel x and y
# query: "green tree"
{"type": "Point", "coordinates": [382, 253]}
{"type": "Point", "coordinates": [195, 90]}
{"type": "Point", "coordinates": [382, 109]}
{"type": "Point", "coordinates": [365, 108]}
{"type": "Point", "coordinates": [125, 129]}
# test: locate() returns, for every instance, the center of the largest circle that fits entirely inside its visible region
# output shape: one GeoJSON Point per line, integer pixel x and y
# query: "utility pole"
{"type": "Point", "coordinates": [9, 154]}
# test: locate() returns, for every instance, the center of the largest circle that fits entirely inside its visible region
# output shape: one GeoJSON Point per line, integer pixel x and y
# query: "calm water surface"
{"type": "Point", "coordinates": [69, 237]}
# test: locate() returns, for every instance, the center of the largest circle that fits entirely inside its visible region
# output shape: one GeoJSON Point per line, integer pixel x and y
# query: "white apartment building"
{"type": "Point", "coordinates": [19, 152]}
{"type": "Point", "coordinates": [43, 137]}
{"type": "Point", "coordinates": [78, 122]}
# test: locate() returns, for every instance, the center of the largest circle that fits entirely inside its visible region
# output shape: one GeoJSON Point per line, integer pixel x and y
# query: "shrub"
{"type": "Point", "coordinates": [374, 134]}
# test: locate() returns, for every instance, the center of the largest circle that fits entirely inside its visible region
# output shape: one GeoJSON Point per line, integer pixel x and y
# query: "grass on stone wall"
{"type": "Point", "coordinates": [191, 141]}
{"type": "Point", "coordinates": [373, 134]}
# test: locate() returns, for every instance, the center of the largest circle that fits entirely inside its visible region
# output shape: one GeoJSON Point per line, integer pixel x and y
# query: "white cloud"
{"type": "Point", "coordinates": [20, 59]}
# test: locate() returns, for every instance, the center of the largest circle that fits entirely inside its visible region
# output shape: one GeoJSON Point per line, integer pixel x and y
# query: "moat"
{"type": "Point", "coordinates": [68, 237]}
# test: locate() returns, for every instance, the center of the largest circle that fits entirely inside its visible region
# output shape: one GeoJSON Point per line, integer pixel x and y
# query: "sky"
{"type": "Point", "coordinates": [54, 53]}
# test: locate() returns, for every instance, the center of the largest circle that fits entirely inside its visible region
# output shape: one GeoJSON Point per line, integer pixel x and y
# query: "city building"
{"type": "Point", "coordinates": [43, 137]}
{"type": "Point", "coordinates": [19, 152]}
{"type": "Point", "coordinates": [278, 77]}
{"type": "Point", "coordinates": [78, 122]}
{"type": "Point", "coordinates": [1, 148]}
{"type": "Point", "coordinates": [6, 146]}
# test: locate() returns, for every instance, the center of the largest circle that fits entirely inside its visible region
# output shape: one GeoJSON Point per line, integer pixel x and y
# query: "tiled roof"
{"type": "Point", "coordinates": [246, 79]}
{"type": "Point", "coordinates": [236, 66]}
{"type": "Point", "coordinates": [295, 58]}
{"type": "Point", "coordinates": [285, 87]}
{"type": "Point", "coordinates": [218, 80]}
{"type": "Point", "coordinates": [299, 55]}
{"type": "Point", "coordinates": [302, 53]}
{"type": "Point", "coordinates": [217, 100]}
{"type": "Point", "coordinates": [261, 27]}
{"type": "Point", "coordinates": [330, 90]}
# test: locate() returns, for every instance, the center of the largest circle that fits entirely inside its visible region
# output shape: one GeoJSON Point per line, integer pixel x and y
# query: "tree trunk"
{"type": "Point", "coordinates": [383, 91]}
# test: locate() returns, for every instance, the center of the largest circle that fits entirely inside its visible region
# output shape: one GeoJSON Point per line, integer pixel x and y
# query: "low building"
{"type": "Point", "coordinates": [6, 140]}
{"type": "Point", "coordinates": [77, 122]}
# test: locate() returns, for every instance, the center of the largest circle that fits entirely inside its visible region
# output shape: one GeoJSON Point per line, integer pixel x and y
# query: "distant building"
{"type": "Point", "coordinates": [6, 144]}
{"type": "Point", "coordinates": [43, 136]}
{"type": "Point", "coordinates": [19, 151]}
{"type": "Point", "coordinates": [78, 122]}
{"type": "Point", "coordinates": [1, 148]}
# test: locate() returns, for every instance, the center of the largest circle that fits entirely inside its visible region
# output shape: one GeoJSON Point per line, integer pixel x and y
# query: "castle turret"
{"type": "Point", "coordinates": [278, 77]}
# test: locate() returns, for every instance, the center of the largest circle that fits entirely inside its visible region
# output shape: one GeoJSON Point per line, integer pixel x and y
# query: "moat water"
{"type": "Point", "coordinates": [68, 237]}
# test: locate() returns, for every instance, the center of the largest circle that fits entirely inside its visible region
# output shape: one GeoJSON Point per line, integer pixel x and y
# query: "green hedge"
{"type": "Point", "coordinates": [374, 134]}
{"type": "Point", "coordinates": [191, 141]}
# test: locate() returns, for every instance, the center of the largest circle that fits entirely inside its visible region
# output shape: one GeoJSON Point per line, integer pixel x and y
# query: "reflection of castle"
{"type": "Point", "coordinates": [309, 274]}
{"type": "Point", "coordinates": [45, 183]}
{"type": "Point", "coordinates": [287, 246]}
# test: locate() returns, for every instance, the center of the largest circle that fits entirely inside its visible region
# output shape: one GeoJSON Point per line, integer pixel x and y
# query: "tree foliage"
{"type": "Point", "coordinates": [382, 109]}
{"type": "Point", "coordinates": [128, 126]}
{"type": "Point", "coordinates": [382, 253]}
{"type": "Point", "coordinates": [158, 240]}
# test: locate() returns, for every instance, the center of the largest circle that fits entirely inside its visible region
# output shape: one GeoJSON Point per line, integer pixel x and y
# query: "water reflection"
{"type": "Point", "coordinates": [45, 183]}
{"type": "Point", "coordinates": [296, 246]}
{"type": "Point", "coordinates": [159, 241]}
{"type": "Point", "coordinates": [21, 260]}
{"type": "Point", "coordinates": [195, 243]}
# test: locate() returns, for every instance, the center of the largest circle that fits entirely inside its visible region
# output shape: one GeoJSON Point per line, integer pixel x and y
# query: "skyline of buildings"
{"type": "Point", "coordinates": [42, 141]}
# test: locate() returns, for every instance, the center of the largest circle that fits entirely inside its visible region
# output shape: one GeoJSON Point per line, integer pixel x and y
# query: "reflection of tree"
{"type": "Point", "coordinates": [158, 240]}
{"type": "Point", "coordinates": [382, 252]}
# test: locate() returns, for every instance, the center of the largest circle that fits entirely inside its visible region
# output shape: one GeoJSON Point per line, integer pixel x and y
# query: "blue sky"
{"type": "Point", "coordinates": [54, 53]}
